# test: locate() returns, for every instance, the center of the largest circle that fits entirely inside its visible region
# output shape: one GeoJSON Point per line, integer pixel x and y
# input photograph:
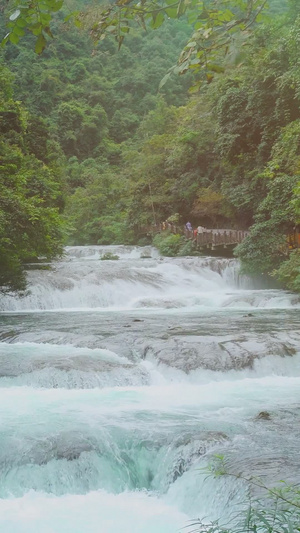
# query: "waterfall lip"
{"type": "Point", "coordinates": [69, 445]}
{"type": "Point", "coordinates": [242, 301]}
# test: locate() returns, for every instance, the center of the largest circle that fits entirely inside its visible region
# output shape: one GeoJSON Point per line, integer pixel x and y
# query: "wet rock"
{"type": "Point", "coordinates": [203, 437]}
{"type": "Point", "coordinates": [192, 446]}
{"type": "Point", "coordinates": [189, 352]}
{"type": "Point", "coordinates": [7, 335]}
{"type": "Point", "coordinates": [137, 320]}
{"type": "Point", "coordinates": [73, 371]}
{"type": "Point", "coordinates": [263, 415]}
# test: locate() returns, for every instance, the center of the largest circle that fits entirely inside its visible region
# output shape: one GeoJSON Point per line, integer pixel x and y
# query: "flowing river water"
{"type": "Point", "coordinates": [120, 381]}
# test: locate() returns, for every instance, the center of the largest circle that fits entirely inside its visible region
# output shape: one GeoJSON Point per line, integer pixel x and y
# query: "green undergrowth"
{"type": "Point", "coordinates": [289, 272]}
{"type": "Point", "coordinates": [109, 256]}
{"type": "Point", "coordinates": [277, 511]}
{"type": "Point", "coordinates": [172, 245]}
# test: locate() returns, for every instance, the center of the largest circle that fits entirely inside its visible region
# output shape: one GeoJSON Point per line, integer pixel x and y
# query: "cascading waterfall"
{"type": "Point", "coordinates": [120, 380]}
{"type": "Point", "coordinates": [139, 279]}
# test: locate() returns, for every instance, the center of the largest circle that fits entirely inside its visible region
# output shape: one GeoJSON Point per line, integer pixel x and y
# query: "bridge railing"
{"type": "Point", "coordinates": [205, 238]}
{"type": "Point", "coordinates": [217, 237]}
{"type": "Point", "coordinates": [211, 238]}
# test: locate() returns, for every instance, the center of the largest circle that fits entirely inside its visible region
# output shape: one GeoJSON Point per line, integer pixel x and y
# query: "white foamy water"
{"type": "Point", "coordinates": [120, 381]}
{"type": "Point", "coordinates": [95, 512]}
{"type": "Point", "coordinates": [82, 281]}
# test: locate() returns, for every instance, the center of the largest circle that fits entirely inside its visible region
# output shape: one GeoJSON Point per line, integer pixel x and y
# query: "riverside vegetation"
{"type": "Point", "coordinates": [280, 515]}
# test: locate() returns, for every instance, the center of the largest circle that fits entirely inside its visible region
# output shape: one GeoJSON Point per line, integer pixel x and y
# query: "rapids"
{"type": "Point", "coordinates": [120, 380]}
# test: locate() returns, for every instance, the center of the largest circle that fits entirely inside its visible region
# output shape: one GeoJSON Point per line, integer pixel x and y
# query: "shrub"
{"type": "Point", "coordinates": [168, 244]}
{"type": "Point", "coordinates": [187, 248]}
{"type": "Point", "coordinates": [289, 272]}
{"type": "Point", "coordinates": [109, 256]}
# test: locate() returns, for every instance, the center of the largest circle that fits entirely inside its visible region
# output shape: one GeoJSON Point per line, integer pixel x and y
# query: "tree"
{"type": "Point", "coordinates": [276, 216]}
{"type": "Point", "coordinates": [219, 25]}
{"type": "Point", "coordinates": [30, 197]}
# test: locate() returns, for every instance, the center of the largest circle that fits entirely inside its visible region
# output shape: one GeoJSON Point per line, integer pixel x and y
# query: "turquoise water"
{"type": "Point", "coordinates": [119, 381]}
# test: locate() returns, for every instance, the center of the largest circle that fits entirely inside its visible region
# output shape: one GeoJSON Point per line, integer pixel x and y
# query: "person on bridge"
{"type": "Point", "coordinates": [188, 226]}
{"type": "Point", "coordinates": [201, 229]}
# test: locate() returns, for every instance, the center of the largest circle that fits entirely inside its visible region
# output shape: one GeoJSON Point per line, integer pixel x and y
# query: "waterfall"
{"type": "Point", "coordinates": [121, 379]}
{"type": "Point", "coordinates": [83, 281]}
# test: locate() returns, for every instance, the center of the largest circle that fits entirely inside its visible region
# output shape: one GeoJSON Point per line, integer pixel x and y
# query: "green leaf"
{"type": "Point", "coordinates": [215, 68]}
{"type": "Point", "coordinates": [36, 29]}
{"type": "Point", "coordinates": [171, 12]}
{"type": "Point", "coordinates": [228, 15]}
{"type": "Point", "coordinates": [111, 29]}
{"type": "Point", "coordinates": [45, 18]}
{"type": "Point", "coordinates": [194, 88]}
{"type": "Point", "coordinates": [191, 44]}
{"type": "Point", "coordinates": [19, 31]}
{"type": "Point", "coordinates": [183, 67]}
{"type": "Point", "coordinates": [198, 25]}
{"type": "Point", "coordinates": [164, 80]}
{"type": "Point", "coordinates": [207, 33]}
{"type": "Point", "coordinates": [192, 17]}
{"type": "Point", "coordinates": [21, 22]}
{"type": "Point", "coordinates": [57, 6]}
{"type": "Point", "coordinates": [48, 31]}
{"type": "Point", "coordinates": [5, 39]}
{"type": "Point", "coordinates": [40, 44]}
{"type": "Point", "coordinates": [181, 8]}
{"type": "Point", "coordinates": [157, 20]}
{"type": "Point", "coordinates": [14, 38]}
{"type": "Point", "coordinates": [120, 41]}
{"type": "Point", "coordinates": [204, 15]}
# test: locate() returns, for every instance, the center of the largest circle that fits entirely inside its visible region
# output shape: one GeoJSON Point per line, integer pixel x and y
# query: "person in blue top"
{"type": "Point", "coordinates": [188, 226]}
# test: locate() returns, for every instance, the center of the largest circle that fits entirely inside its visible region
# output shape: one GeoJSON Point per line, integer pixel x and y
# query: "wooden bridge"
{"type": "Point", "coordinates": [216, 238]}
{"type": "Point", "coordinates": [211, 239]}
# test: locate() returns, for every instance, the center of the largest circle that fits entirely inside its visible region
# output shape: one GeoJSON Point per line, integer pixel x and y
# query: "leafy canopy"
{"type": "Point", "coordinates": [30, 196]}
{"type": "Point", "coordinates": [218, 25]}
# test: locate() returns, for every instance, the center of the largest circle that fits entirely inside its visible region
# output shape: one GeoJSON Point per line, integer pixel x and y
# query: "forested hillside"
{"type": "Point", "coordinates": [30, 193]}
{"type": "Point", "coordinates": [119, 153]}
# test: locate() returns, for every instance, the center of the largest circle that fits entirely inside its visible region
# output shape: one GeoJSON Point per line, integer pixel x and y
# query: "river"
{"type": "Point", "coordinates": [120, 381]}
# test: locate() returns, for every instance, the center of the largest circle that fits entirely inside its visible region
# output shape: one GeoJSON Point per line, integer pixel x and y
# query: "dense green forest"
{"type": "Point", "coordinates": [31, 198]}
{"type": "Point", "coordinates": [92, 150]}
